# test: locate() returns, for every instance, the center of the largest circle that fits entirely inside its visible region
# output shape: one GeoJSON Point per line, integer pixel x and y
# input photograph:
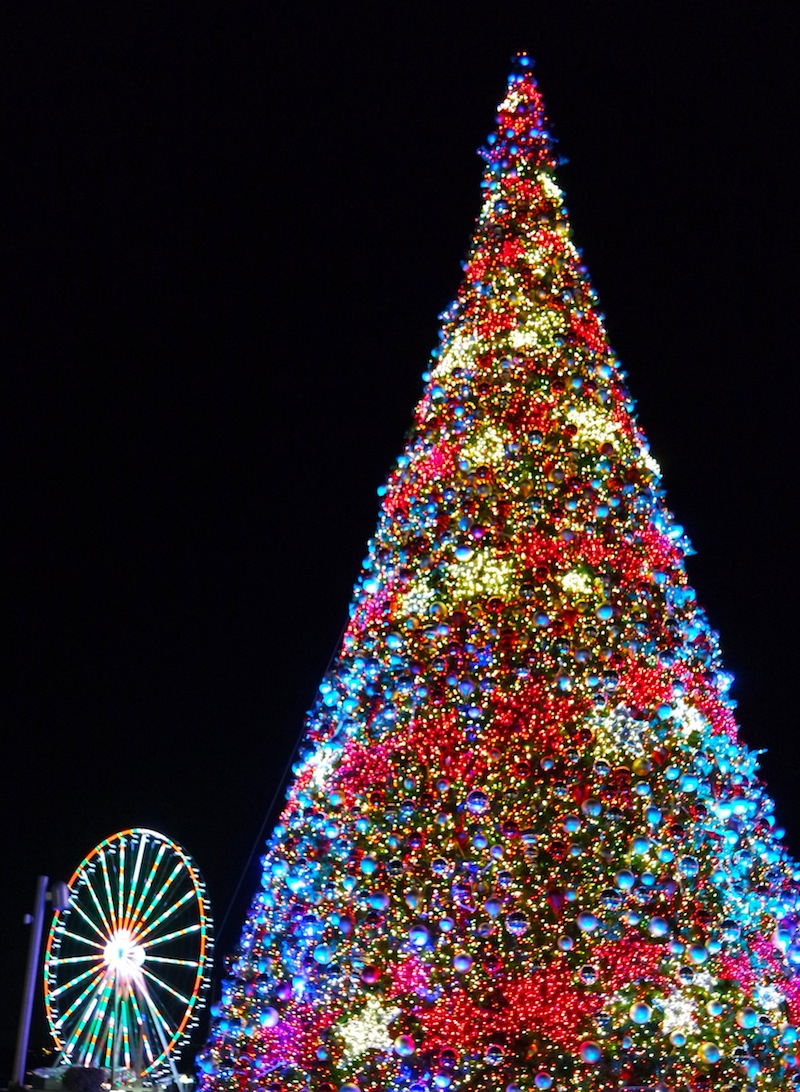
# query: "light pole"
{"type": "Point", "coordinates": [58, 895]}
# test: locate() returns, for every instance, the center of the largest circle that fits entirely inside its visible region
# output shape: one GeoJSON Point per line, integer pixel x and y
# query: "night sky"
{"type": "Point", "coordinates": [228, 232]}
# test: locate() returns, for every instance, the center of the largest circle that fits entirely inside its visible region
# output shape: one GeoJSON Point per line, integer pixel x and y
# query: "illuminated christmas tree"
{"type": "Point", "coordinates": [523, 847]}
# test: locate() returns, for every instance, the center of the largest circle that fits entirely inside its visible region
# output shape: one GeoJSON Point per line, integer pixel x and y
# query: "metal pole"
{"type": "Point", "coordinates": [115, 1039]}
{"type": "Point", "coordinates": [31, 970]}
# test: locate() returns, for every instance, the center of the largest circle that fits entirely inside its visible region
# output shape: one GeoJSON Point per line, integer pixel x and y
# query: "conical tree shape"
{"type": "Point", "coordinates": [523, 848]}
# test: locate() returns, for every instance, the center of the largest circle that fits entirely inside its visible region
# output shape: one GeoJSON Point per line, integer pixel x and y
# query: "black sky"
{"type": "Point", "coordinates": [229, 230]}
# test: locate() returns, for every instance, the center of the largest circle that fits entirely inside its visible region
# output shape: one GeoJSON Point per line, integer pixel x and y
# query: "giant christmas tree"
{"type": "Point", "coordinates": [523, 847]}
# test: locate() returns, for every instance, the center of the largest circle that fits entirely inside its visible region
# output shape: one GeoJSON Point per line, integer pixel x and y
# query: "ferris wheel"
{"type": "Point", "coordinates": [126, 962]}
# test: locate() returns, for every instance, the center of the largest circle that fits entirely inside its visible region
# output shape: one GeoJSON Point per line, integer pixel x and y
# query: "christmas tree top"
{"type": "Point", "coordinates": [523, 847]}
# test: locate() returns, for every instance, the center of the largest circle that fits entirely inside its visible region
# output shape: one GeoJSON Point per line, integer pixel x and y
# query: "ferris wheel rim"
{"type": "Point", "coordinates": [130, 974]}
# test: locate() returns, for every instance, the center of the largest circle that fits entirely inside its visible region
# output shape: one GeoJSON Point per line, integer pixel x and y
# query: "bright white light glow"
{"type": "Point", "coordinates": [541, 333]}
{"type": "Point", "coordinates": [487, 447]}
{"type": "Point", "coordinates": [459, 353]}
{"type": "Point", "coordinates": [577, 583]}
{"type": "Point", "coordinates": [678, 1011]}
{"type": "Point", "coordinates": [618, 732]}
{"type": "Point", "coordinates": [594, 425]}
{"type": "Point", "coordinates": [485, 573]}
{"type": "Point", "coordinates": [368, 1030]}
{"type": "Point", "coordinates": [123, 955]}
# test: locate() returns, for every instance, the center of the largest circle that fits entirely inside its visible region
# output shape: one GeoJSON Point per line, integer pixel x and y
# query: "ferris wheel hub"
{"type": "Point", "coordinates": [122, 954]}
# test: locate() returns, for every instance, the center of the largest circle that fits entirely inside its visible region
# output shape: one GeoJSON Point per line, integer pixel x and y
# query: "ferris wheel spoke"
{"type": "Point", "coordinates": [70, 961]}
{"type": "Point", "coordinates": [108, 1036]}
{"type": "Point", "coordinates": [99, 1024]}
{"type": "Point", "coordinates": [126, 1035]}
{"type": "Point", "coordinates": [103, 932]}
{"type": "Point", "coordinates": [194, 928]}
{"type": "Point", "coordinates": [137, 869]}
{"type": "Point", "coordinates": [166, 986]}
{"type": "Point", "coordinates": [167, 884]}
{"type": "Point", "coordinates": [173, 962]}
{"type": "Point", "coordinates": [158, 1022]}
{"type": "Point", "coordinates": [162, 1026]}
{"type": "Point", "coordinates": [121, 883]}
{"type": "Point", "coordinates": [149, 880]}
{"type": "Point", "coordinates": [81, 939]}
{"type": "Point", "coordinates": [167, 913]}
{"type": "Point", "coordinates": [57, 961]}
{"type": "Point", "coordinates": [142, 1022]}
{"type": "Point", "coordinates": [95, 973]}
{"type": "Point", "coordinates": [73, 1034]}
{"type": "Point", "coordinates": [74, 1038]}
{"type": "Point", "coordinates": [107, 885]}
{"type": "Point", "coordinates": [90, 1018]}
{"type": "Point", "coordinates": [116, 1035]}
{"type": "Point", "coordinates": [127, 1040]}
{"type": "Point", "coordinates": [107, 925]}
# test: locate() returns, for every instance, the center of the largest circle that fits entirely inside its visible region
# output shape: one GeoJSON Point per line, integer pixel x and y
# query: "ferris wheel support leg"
{"type": "Point", "coordinates": [160, 1031]}
{"type": "Point", "coordinates": [115, 1043]}
{"type": "Point", "coordinates": [36, 921]}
